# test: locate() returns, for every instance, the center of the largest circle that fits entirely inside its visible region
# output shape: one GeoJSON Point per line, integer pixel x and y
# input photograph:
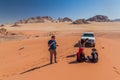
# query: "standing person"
{"type": "Point", "coordinates": [84, 42]}
{"type": "Point", "coordinates": [52, 44]}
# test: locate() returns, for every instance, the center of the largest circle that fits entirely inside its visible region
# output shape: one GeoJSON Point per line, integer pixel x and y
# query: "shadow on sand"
{"type": "Point", "coordinates": [70, 56]}
{"type": "Point", "coordinates": [35, 68]}
{"type": "Point", "coordinates": [73, 62]}
{"type": "Point", "coordinates": [76, 62]}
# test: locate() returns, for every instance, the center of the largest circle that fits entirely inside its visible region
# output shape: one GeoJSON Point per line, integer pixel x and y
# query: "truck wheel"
{"type": "Point", "coordinates": [93, 45]}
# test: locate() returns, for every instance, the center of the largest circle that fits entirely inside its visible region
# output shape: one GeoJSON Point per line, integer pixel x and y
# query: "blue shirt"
{"type": "Point", "coordinates": [53, 42]}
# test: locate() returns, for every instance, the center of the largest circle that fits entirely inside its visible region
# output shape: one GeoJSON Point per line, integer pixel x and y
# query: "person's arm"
{"type": "Point", "coordinates": [97, 53]}
{"type": "Point", "coordinates": [57, 44]}
{"type": "Point", "coordinates": [92, 54]}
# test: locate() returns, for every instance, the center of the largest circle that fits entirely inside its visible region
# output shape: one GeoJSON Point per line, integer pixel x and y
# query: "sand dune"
{"type": "Point", "coordinates": [28, 59]}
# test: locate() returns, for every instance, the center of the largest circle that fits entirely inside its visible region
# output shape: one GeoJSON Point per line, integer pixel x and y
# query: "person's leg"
{"type": "Point", "coordinates": [83, 56]}
{"type": "Point", "coordinates": [77, 58]}
{"type": "Point", "coordinates": [89, 59]}
{"type": "Point", "coordinates": [55, 56]}
{"type": "Point", "coordinates": [51, 56]}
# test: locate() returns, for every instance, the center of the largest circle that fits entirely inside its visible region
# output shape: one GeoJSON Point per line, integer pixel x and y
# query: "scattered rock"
{"type": "Point", "coordinates": [3, 31]}
{"type": "Point", "coordinates": [2, 25]}
{"type": "Point", "coordinates": [50, 33]}
{"type": "Point", "coordinates": [102, 47]}
{"type": "Point", "coordinates": [21, 48]}
{"type": "Point", "coordinates": [13, 33]}
{"type": "Point", "coordinates": [37, 36]}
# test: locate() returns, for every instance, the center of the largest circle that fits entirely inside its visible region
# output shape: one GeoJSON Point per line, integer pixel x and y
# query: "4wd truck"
{"type": "Point", "coordinates": [91, 39]}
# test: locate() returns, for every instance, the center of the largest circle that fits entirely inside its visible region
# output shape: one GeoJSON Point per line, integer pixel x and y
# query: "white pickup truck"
{"type": "Point", "coordinates": [91, 39]}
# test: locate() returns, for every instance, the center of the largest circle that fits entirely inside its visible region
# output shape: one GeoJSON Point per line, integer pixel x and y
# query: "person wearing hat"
{"type": "Point", "coordinates": [94, 56]}
{"type": "Point", "coordinates": [52, 44]}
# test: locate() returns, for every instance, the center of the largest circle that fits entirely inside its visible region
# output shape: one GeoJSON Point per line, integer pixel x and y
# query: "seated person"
{"type": "Point", "coordinates": [94, 56]}
{"type": "Point", "coordinates": [80, 55]}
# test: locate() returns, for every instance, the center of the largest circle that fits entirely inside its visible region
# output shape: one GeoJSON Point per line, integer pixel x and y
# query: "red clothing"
{"type": "Point", "coordinates": [80, 52]}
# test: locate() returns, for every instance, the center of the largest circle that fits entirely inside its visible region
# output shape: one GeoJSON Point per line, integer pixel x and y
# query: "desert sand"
{"type": "Point", "coordinates": [28, 58]}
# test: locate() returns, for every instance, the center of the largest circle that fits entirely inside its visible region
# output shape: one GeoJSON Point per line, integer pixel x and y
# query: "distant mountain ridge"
{"type": "Point", "coordinates": [44, 19]}
{"type": "Point", "coordinates": [116, 20]}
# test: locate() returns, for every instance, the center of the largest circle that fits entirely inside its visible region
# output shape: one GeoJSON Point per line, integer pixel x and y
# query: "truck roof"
{"type": "Point", "coordinates": [89, 32]}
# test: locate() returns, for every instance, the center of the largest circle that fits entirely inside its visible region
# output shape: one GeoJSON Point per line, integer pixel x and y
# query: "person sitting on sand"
{"type": "Point", "coordinates": [80, 55]}
{"type": "Point", "coordinates": [94, 56]}
{"type": "Point", "coordinates": [52, 44]}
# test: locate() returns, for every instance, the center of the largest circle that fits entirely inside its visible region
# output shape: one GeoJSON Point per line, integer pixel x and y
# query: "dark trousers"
{"type": "Point", "coordinates": [82, 57]}
{"type": "Point", "coordinates": [53, 53]}
{"type": "Point", "coordinates": [92, 60]}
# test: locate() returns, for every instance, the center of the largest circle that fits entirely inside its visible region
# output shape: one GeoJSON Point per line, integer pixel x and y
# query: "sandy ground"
{"type": "Point", "coordinates": [28, 59]}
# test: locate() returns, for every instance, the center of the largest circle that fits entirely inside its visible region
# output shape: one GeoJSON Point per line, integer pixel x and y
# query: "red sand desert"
{"type": "Point", "coordinates": [28, 58]}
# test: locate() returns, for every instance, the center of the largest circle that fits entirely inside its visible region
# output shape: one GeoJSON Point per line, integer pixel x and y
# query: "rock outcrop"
{"type": "Point", "coordinates": [99, 18]}
{"type": "Point", "coordinates": [3, 31]}
{"type": "Point", "coordinates": [116, 20]}
{"type": "Point", "coordinates": [66, 19]}
{"type": "Point", "coordinates": [15, 25]}
{"type": "Point", "coordinates": [2, 25]}
{"type": "Point", "coordinates": [80, 21]}
{"type": "Point", "coordinates": [38, 19]}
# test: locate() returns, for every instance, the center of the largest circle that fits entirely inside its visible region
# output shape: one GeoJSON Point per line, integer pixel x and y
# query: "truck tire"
{"type": "Point", "coordinates": [93, 45]}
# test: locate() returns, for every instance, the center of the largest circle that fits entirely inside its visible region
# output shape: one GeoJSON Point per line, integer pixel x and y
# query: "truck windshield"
{"type": "Point", "coordinates": [88, 35]}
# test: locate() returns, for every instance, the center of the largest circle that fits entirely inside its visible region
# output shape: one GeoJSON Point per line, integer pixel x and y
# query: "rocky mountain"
{"type": "Point", "coordinates": [38, 19]}
{"type": "Point", "coordinates": [44, 19]}
{"type": "Point", "coordinates": [66, 19]}
{"type": "Point", "coordinates": [81, 21]}
{"type": "Point", "coordinates": [116, 20]}
{"type": "Point", "coordinates": [99, 18]}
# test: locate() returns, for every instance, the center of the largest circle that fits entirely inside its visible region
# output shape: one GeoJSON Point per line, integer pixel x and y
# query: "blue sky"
{"type": "Point", "coordinates": [13, 10]}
